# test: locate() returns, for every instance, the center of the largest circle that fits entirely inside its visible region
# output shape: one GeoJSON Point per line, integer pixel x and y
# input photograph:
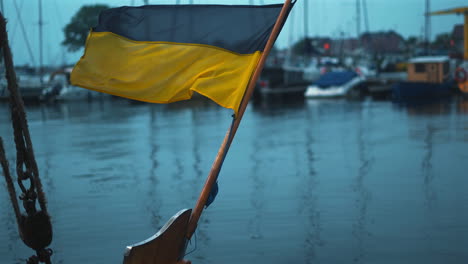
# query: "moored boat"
{"type": "Point", "coordinates": [428, 78]}
{"type": "Point", "coordinates": [461, 77]}
{"type": "Point", "coordinates": [30, 83]}
{"type": "Point", "coordinates": [286, 80]}
{"type": "Point", "coordinates": [334, 84]}
{"type": "Point", "coordinates": [59, 88]}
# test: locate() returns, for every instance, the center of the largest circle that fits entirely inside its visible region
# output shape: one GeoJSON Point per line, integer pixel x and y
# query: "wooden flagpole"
{"type": "Point", "coordinates": [213, 174]}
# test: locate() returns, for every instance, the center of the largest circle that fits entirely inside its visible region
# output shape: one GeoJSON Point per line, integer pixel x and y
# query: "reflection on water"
{"type": "Point", "coordinates": [363, 198]}
{"type": "Point", "coordinates": [426, 168]}
{"type": "Point", "coordinates": [430, 195]}
{"type": "Point", "coordinates": [463, 106]}
{"type": "Point", "coordinates": [306, 181]}
{"type": "Point", "coordinates": [154, 198]}
{"type": "Point", "coordinates": [202, 238]}
{"type": "Point", "coordinates": [257, 195]}
{"type": "Point", "coordinates": [309, 203]}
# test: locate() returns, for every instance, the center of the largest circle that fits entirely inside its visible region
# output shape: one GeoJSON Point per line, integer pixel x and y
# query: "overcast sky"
{"type": "Point", "coordinates": [325, 18]}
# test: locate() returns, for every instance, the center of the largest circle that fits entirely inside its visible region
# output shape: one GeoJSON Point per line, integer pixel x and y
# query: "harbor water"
{"type": "Point", "coordinates": [305, 181]}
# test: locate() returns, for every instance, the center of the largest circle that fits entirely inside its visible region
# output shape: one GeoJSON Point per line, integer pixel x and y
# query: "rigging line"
{"type": "Point", "coordinates": [195, 248]}
{"type": "Point", "coordinates": [36, 228]}
{"type": "Point", "coordinates": [9, 181]}
{"type": "Point", "coordinates": [25, 152]}
{"type": "Point", "coordinates": [57, 12]}
{"type": "Point", "coordinates": [61, 54]}
{"type": "Point", "coordinates": [366, 17]}
{"type": "Point", "coordinates": [18, 13]}
{"type": "Point", "coordinates": [358, 18]}
{"type": "Point", "coordinates": [21, 132]}
{"type": "Point", "coordinates": [15, 25]}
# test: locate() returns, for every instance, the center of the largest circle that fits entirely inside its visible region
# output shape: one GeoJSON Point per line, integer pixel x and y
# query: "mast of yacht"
{"type": "Point", "coordinates": [366, 17]}
{"type": "Point", "coordinates": [306, 31]}
{"type": "Point", "coordinates": [427, 27]}
{"type": "Point", "coordinates": [40, 43]}
{"type": "Point", "coordinates": [358, 18]}
{"type": "Point", "coordinates": [1, 59]}
{"type": "Point", "coordinates": [306, 22]}
{"type": "Point", "coordinates": [288, 60]}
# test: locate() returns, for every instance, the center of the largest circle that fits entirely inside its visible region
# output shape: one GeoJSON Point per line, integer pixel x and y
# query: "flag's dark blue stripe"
{"type": "Point", "coordinates": [241, 29]}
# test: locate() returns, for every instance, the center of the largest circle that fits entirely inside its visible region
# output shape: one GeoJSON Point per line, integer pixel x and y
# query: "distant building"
{"type": "Point", "coordinates": [457, 41]}
{"type": "Point", "coordinates": [384, 43]}
{"type": "Point", "coordinates": [346, 46]}
{"type": "Point", "coordinates": [371, 44]}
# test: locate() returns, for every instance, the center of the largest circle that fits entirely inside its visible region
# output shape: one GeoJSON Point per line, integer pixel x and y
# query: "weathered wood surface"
{"type": "Point", "coordinates": [167, 246]}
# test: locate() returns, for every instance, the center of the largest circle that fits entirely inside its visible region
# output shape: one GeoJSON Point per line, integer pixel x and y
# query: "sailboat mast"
{"type": "Point", "coordinates": [366, 17]}
{"type": "Point", "coordinates": [358, 18]}
{"type": "Point", "coordinates": [306, 28]}
{"type": "Point", "coordinates": [306, 19]}
{"type": "Point", "coordinates": [427, 27]}
{"type": "Point", "coordinates": [40, 41]}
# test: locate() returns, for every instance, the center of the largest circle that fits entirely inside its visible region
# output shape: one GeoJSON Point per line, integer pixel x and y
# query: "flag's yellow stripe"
{"type": "Point", "coordinates": [162, 72]}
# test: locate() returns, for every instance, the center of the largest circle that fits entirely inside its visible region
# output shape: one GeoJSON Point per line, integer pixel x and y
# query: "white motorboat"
{"type": "Point", "coordinates": [335, 84]}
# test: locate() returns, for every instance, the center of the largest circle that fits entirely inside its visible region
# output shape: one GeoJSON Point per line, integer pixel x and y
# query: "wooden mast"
{"type": "Point", "coordinates": [213, 174]}
{"type": "Point", "coordinates": [168, 245]}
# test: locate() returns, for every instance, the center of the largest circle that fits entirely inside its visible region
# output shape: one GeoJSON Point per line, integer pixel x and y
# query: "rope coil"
{"type": "Point", "coordinates": [35, 228]}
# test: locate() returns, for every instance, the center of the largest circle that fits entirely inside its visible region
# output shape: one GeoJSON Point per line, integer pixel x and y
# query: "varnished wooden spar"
{"type": "Point", "coordinates": [169, 244]}
{"type": "Point", "coordinates": [166, 246]}
{"type": "Point", "coordinates": [213, 174]}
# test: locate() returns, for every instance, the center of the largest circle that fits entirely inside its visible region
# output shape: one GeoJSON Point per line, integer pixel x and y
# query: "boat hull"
{"type": "Point", "coordinates": [403, 91]}
{"type": "Point", "coordinates": [314, 91]}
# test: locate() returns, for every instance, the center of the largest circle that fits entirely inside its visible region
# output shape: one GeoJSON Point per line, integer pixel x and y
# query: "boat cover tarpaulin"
{"type": "Point", "coordinates": [163, 53]}
{"type": "Point", "coordinates": [335, 78]}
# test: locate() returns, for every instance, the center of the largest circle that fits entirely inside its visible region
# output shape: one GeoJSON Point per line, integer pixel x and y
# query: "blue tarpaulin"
{"type": "Point", "coordinates": [335, 78]}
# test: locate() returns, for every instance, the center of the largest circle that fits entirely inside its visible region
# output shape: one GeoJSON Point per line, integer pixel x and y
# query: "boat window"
{"type": "Point", "coordinates": [446, 68]}
{"type": "Point", "coordinates": [419, 67]}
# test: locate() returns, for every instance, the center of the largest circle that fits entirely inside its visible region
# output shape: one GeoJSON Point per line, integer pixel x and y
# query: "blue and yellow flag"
{"type": "Point", "coordinates": [163, 53]}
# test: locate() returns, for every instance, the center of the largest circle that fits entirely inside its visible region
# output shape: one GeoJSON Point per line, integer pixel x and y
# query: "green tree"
{"type": "Point", "coordinates": [411, 41]}
{"type": "Point", "coordinates": [442, 41]}
{"type": "Point", "coordinates": [411, 44]}
{"type": "Point", "coordinates": [77, 30]}
{"type": "Point", "coordinates": [302, 47]}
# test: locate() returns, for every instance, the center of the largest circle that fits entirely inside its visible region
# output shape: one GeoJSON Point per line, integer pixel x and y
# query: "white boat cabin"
{"type": "Point", "coordinates": [431, 69]}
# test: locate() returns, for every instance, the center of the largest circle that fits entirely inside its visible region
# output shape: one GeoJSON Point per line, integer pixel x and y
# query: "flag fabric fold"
{"type": "Point", "coordinates": [164, 53]}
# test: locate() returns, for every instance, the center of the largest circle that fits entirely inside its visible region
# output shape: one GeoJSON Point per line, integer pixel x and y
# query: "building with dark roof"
{"type": "Point", "coordinates": [457, 41]}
